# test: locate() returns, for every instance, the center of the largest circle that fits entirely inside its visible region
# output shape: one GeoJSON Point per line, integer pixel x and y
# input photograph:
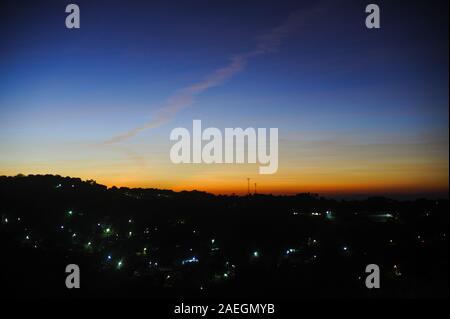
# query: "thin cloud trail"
{"type": "Point", "coordinates": [266, 44]}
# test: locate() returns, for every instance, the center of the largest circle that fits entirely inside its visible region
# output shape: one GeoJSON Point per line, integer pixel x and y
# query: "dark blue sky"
{"type": "Point", "coordinates": [330, 77]}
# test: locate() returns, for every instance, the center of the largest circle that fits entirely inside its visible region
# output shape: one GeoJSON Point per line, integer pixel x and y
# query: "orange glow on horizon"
{"type": "Point", "coordinates": [265, 185]}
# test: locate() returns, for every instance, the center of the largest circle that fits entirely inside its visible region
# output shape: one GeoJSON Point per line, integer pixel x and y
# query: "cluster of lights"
{"type": "Point", "coordinates": [227, 273]}
{"type": "Point", "coordinates": [190, 261]}
{"type": "Point", "coordinates": [290, 251]}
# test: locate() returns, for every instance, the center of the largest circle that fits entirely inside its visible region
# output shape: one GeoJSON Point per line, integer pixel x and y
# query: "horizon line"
{"type": "Point", "coordinates": [431, 195]}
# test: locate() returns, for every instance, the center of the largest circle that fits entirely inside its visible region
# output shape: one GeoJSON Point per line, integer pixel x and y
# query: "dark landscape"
{"type": "Point", "coordinates": [163, 244]}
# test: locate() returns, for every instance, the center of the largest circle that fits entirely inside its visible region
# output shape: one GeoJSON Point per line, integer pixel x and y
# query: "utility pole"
{"type": "Point", "coordinates": [255, 188]}
{"type": "Point", "coordinates": [248, 185]}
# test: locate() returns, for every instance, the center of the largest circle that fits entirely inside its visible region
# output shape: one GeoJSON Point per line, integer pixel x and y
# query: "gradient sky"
{"type": "Point", "coordinates": [359, 111]}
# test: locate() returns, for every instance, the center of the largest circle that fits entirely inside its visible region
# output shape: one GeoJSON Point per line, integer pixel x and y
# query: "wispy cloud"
{"type": "Point", "coordinates": [266, 44]}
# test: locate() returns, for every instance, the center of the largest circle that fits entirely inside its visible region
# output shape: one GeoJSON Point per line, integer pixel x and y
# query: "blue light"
{"type": "Point", "coordinates": [190, 261]}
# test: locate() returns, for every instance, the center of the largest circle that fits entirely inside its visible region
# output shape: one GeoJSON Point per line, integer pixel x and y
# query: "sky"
{"type": "Point", "coordinates": [358, 111]}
